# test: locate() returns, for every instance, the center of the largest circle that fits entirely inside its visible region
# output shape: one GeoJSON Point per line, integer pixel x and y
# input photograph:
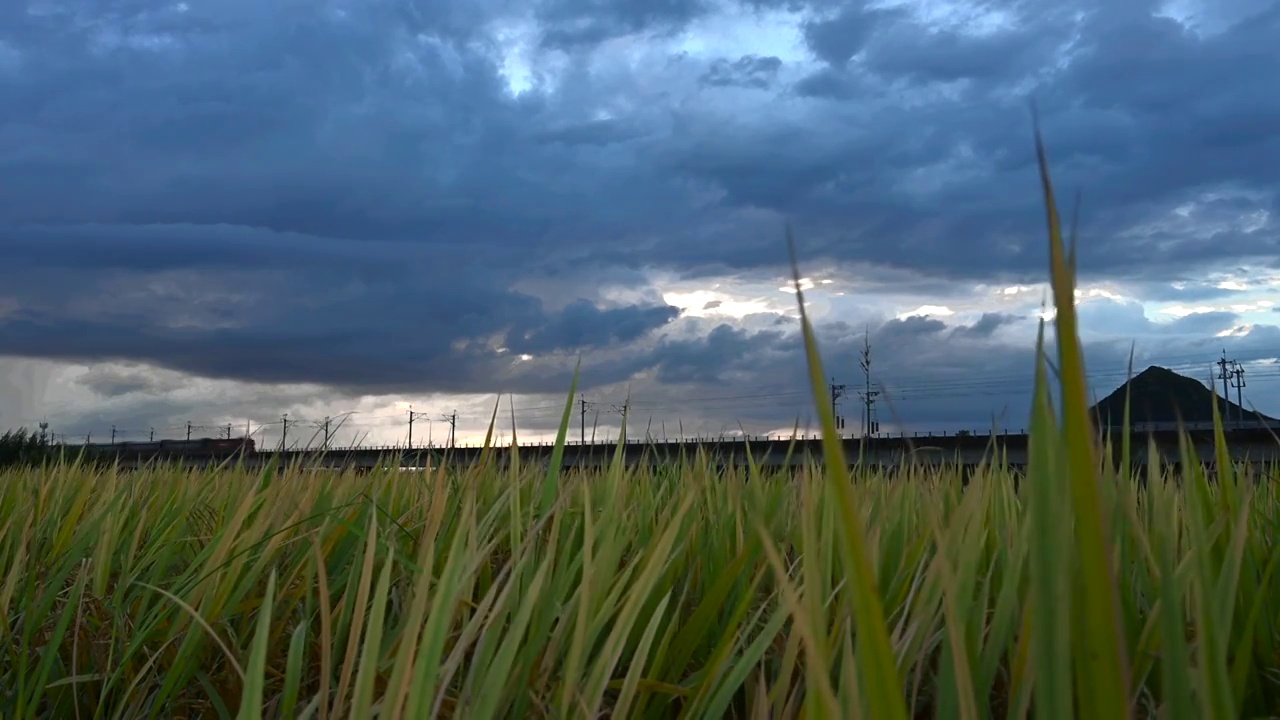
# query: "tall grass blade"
{"type": "Point", "coordinates": [1103, 688]}
{"type": "Point", "coordinates": [877, 665]}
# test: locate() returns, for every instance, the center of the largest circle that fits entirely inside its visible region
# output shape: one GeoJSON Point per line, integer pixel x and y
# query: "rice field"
{"type": "Point", "coordinates": [506, 590]}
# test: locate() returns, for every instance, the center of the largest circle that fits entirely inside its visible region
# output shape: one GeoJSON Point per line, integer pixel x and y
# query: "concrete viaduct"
{"type": "Point", "coordinates": [1257, 445]}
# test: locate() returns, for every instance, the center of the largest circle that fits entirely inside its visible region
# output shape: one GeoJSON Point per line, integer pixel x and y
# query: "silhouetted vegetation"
{"type": "Point", "coordinates": [22, 447]}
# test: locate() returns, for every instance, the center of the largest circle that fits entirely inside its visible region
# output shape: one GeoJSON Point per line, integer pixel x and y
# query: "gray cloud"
{"type": "Point", "coordinates": [837, 39]}
{"type": "Point", "coordinates": [112, 382]}
{"type": "Point", "coordinates": [750, 71]}
{"type": "Point", "coordinates": [578, 23]}
{"type": "Point", "coordinates": [724, 354]}
{"type": "Point", "coordinates": [987, 325]}
{"type": "Point", "coordinates": [582, 325]}
{"type": "Point", "coordinates": [1205, 323]}
{"type": "Point", "coordinates": [350, 196]}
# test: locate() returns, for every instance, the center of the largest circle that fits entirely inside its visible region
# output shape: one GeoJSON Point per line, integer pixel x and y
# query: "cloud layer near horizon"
{"type": "Point", "coordinates": [400, 199]}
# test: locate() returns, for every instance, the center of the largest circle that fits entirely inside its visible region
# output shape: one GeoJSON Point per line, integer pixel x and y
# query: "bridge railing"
{"type": "Point", "coordinates": [707, 440]}
{"type": "Point", "coordinates": [985, 434]}
{"type": "Point", "coordinates": [975, 435]}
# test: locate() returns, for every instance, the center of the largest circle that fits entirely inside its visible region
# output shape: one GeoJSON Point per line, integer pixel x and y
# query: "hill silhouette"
{"type": "Point", "coordinates": [1159, 395]}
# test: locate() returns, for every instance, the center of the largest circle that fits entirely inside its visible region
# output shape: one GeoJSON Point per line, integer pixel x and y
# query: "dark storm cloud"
{"type": "Point", "coordinates": [987, 324]}
{"type": "Point", "coordinates": [279, 307]}
{"type": "Point", "coordinates": [829, 82]}
{"type": "Point", "coordinates": [1129, 319]}
{"type": "Point", "coordinates": [835, 40]}
{"type": "Point", "coordinates": [932, 377]}
{"type": "Point", "coordinates": [596, 132]}
{"type": "Point", "coordinates": [113, 382]}
{"type": "Point", "coordinates": [243, 214]}
{"type": "Point", "coordinates": [724, 352]}
{"type": "Point", "coordinates": [578, 23]}
{"type": "Point", "coordinates": [351, 358]}
{"type": "Point", "coordinates": [1113, 134]}
{"type": "Point", "coordinates": [927, 56]}
{"type": "Point", "coordinates": [348, 195]}
{"type": "Point", "coordinates": [750, 71]}
{"type": "Point", "coordinates": [1187, 291]}
{"type": "Point", "coordinates": [583, 326]}
{"type": "Point", "coordinates": [1205, 323]}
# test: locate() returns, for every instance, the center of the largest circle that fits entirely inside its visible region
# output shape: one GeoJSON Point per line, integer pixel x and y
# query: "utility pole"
{"type": "Point", "coordinates": [1237, 379]}
{"type": "Point", "coordinates": [228, 431]}
{"type": "Point", "coordinates": [584, 404]}
{"type": "Point", "coordinates": [44, 427]}
{"type": "Point", "coordinates": [837, 392]}
{"type": "Point", "coordinates": [188, 431]}
{"type": "Point", "coordinates": [324, 425]}
{"type": "Point", "coordinates": [869, 425]}
{"type": "Point", "coordinates": [113, 434]}
{"type": "Point", "coordinates": [284, 430]}
{"type": "Point", "coordinates": [626, 407]}
{"type": "Point", "coordinates": [453, 426]}
{"type": "Point", "coordinates": [153, 434]}
{"type": "Point", "coordinates": [414, 416]}
{"type": "Point", "coordinates": [1224, 375]}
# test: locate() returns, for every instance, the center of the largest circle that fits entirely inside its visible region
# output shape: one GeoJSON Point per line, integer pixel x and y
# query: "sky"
{"type": "Point", "coordinates": [229, 212]}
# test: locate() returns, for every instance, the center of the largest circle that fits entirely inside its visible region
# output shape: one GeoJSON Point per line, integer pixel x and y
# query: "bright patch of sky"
{"type": "Point", "coordinates": [928, 311]}
{"type": "Point", "coordinates": [1237, 331]}
{"type": "Point", "coordinates": [1248, 292]}
{"type": "Point", "coordinates": [710, 303]}
{"type": "Point", "coordinates": [732, 32]}
{"type": "Point", "coordinates": [1016, 290]}
{"type": "Point", "coordinates": [524, 67]}
{"type": "Point", "coordinates": [736, 31]}
{"type": "Point", "coordinates": [804, 283]}
{"type": "Point", "coordinates": [1085, 294]}
{"type": "Point", "coordinates": [1210, 17]}
{"type": "Point", "coordinates": [737, 297]}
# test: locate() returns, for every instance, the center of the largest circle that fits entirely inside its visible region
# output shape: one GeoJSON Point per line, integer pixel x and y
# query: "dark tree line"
{"type": "Point", "coordinates": [24, 448]}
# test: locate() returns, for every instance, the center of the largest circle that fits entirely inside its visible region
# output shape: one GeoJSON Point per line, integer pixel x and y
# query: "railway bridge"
{"type": "Point", "coordinates": [1257, 445]}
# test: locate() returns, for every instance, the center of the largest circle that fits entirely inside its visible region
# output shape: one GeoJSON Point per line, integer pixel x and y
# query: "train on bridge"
{"type": "Point", "coordinates": [207, 448]}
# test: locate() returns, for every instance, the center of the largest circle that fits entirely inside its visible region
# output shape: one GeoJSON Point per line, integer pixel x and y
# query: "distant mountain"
{"type": "Point", "coordinates": [1159, 395]}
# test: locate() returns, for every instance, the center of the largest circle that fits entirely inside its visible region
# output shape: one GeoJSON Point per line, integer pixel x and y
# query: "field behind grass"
{"type": "Point", "coordinates": [1080, 588]}
{"type": "Point", "coordinates": [635, 593]}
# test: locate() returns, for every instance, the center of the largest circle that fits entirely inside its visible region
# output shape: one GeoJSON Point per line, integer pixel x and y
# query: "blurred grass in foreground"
{"type": "Point", "coordinates": [510, 591]}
